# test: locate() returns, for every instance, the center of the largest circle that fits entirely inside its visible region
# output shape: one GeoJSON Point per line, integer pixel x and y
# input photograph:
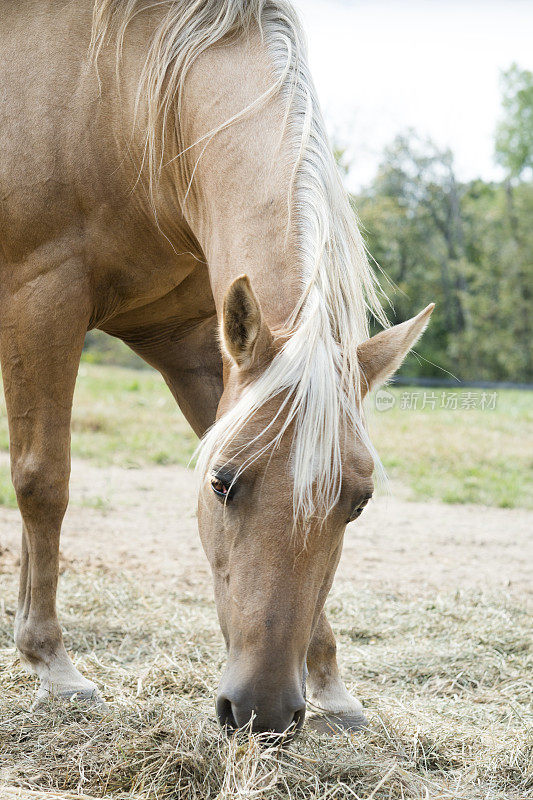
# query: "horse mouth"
{"type": "Point", "coordinates": [266, 736]}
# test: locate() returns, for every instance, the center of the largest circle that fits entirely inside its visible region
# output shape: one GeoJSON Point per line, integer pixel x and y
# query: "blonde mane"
{"type": "Point", "coordinates": [316, 373]}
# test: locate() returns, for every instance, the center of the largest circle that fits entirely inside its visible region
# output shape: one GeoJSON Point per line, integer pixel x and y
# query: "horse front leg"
{"type": "Point", "coordinates": [332, 706]}
{"type": "Point", "coordinates": [42, 328]}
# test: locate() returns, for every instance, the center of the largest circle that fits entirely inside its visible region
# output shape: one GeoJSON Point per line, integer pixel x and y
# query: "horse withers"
{"type": "Point", "coordinates": [165, 177]}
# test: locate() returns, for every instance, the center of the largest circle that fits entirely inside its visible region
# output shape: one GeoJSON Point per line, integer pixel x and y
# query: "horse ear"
{"type": "Point", "coordinates": [381, 356]}
{"type": "Point", "coordinates": [245, 334]}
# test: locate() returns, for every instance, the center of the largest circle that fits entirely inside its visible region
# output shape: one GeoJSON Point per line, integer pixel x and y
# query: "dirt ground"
{"type": "Point", "coordinates": [433, 637]}
{"type": "Point", "coordinates": [144, 520]}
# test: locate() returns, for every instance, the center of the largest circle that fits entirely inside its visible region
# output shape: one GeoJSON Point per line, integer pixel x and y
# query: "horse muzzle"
{"type": "Point", "coordinates": [275, 711]}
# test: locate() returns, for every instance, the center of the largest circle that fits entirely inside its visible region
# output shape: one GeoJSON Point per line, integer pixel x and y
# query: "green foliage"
{"type": "Point", "coordinates": [514, 138]}
{"type": "Point", "coordinates": [468, 247]}
{"type": "Point", "coordinates": [99, 348]}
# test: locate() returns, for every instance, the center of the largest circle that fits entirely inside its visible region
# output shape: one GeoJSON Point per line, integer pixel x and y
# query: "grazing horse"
{"type": "Point", "coordinates": [165, 177]}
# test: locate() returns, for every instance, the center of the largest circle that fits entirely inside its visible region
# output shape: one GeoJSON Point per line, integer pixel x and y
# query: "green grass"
{"type": "Point", "coordinates": [129, 418]}
{"type": "Point", "coordinates": [125, 417]}
{"type": "Point", "coordinates": [463, 455]}
{"type": "Point", "coordinates": [7, 493]}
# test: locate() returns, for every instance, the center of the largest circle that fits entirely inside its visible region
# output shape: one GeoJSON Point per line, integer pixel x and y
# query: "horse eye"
{"type": "Point", "coordinates": [219, 487]}
{"type": "Point", "coordinates": [358, 510]}
{"type": "Point", "coordinates": [222, 487]}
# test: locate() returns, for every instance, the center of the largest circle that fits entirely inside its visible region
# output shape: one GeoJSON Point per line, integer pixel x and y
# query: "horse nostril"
{"type": "Point", "coordinates": [298, 719]}
{"type": "Point", "coordinates": [225, 714]}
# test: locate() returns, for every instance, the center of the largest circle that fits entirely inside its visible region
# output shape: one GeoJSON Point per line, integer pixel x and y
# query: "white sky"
{"type": "Point", "coordinates": [382, 66]}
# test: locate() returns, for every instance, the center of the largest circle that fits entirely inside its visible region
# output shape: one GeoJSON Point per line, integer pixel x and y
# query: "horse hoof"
{"type": "Point", "coordinates": [337, 723]}
{"type": "Point", "coordinates": [87, 696]}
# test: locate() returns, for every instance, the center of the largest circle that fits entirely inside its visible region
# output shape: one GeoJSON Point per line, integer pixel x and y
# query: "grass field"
{"type": "Point", "coordinates": [463, 455]}
{"type": "Point", "coordinates": [468, 455]}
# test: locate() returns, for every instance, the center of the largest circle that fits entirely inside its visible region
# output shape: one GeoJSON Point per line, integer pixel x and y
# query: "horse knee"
{"type": "Point", "coordinates": [38, 642]}
{"type": "Point", "coordinates": [40, 488]}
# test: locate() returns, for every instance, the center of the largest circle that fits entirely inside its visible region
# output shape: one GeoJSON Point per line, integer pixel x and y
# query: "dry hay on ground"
{"type": "Point", "coordinates": [446, 683]}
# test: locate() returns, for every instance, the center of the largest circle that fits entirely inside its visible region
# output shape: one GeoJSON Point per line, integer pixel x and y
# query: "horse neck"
{"type": "Point", "coordinates": [238, 203]}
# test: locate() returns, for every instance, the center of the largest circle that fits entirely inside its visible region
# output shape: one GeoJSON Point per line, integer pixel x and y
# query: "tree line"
{"type": "Point", "coordinates": [468, 246]}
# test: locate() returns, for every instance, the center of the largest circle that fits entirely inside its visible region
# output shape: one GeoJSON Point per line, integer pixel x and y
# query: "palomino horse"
{"type": "Point", "coordinates": [159, 159]}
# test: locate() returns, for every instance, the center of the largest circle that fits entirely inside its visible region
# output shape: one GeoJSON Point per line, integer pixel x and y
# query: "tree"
{"type": "Point", "coordinates": [514, 137]}
{"type": "Point", "coordinates": [451, 242]}
{"type": "Point", "coordinates": [412, 213]}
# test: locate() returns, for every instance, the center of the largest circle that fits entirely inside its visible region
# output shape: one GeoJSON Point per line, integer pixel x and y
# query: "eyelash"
{"type": "Point", "coordinates": [358, 510]}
